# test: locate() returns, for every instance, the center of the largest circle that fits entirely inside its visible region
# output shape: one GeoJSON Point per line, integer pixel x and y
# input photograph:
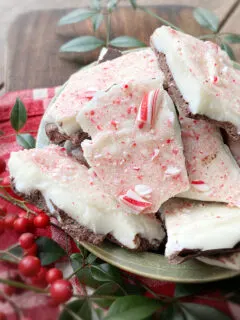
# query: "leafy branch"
{"type": "Point", "coordinates": [18, 119]}
{"type": "Point", "coordinates": [99, 14]}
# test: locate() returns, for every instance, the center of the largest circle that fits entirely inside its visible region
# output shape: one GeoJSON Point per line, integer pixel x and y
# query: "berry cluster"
{"type": "Point", "coordinates": [59, 289]}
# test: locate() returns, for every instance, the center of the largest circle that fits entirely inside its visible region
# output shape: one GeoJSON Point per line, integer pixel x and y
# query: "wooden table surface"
{"type": "Point", "coordinates": [32, 58]}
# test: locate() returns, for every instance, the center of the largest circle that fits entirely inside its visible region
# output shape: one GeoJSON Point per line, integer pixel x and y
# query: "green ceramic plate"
{"type": "Point", "coordinates": [148, 264]}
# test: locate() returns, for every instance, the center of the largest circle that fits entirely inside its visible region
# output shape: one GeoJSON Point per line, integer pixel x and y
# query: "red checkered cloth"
{"type": "Point", "coordinates": [35, 305]}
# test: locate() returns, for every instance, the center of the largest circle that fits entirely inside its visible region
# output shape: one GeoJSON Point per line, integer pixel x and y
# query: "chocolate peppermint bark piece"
{"type": "Point", "coordinates": [201, 78]}
{"type": "Point", "coordinates": [83, 85]}
{"type": "Point", "coordinates": [213, 172]}
{"type": "Point", "coordinates": [200, 229]}
{"type": "Point", "coordinates": [76, 194]}
{"type": "Point", "coordinates": [140, 160]}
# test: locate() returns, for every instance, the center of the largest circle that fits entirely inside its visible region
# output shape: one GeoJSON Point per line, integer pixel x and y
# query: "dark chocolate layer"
{"type": "Point", "coordinates": [79, 232]}
{"type": "Point", "coordinates": [187, 254]}
{"type": "Point", "coordinates": [111, 54]}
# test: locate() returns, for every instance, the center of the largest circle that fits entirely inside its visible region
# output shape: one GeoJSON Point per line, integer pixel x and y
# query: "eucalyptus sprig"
{"type": "Point", "coordinates": [99, 14]}
{"type": "Point", "coordinates": [18, 119]}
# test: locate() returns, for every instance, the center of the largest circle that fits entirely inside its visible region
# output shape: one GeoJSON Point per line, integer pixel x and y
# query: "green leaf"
{"type": "Point", "coordinates": [105, 273]}
{"type": "Point", "coordinates": [100, 275]}
{"type": "Point", "coordinates": [18, 115]}
{"type": "Point", "coordinates": [87, 311]}
{"type": "Point", "coordinates": [112, 4]}
{"type": "Point", "coordinates": [96, 4]}
{"type": "Point", "coordinates": [26, 140]}
{"type": "Point", "coordinates": [182, 290]}
{"type": "Point", "coordinates": [106, 289]}
{"type": "Point", "coordinates": [236, 65]}
{"type": "Point", "coordinates": [133, 3]}
{"type": "Point", "coordinates": [132, 308]}
{"type": "Point", "coordinates": [83, 251]}
{"type": "Point", "coordinates": [91, 258]}
{"type": "Point", "coordinates": [49, 251]}
{"type": "Point", "coordinates": [76, 260]}
{"type": "Point", "coordinates": [228, 49]}
{"type": "Point", "coordinates": [194, 311]}
{"type": "Point", "coordinates": [172, 312]}
{"type": "Point", "coordinates": [74, 306]}
{"type": "Point", "coordinates": [100, 313]}
{"type": "Point", "coordinates": [82, 44]}
{"type": "Point", "coordinates": [126, 41]}
{"type": "Point", "coordinates": [97, 20]}
{"type": "Point", "coordinates": [84, 275]}
{"type": "Point", "coordinates": [206, 18]}
{"type": "Point", "coordinates": [17, 251]}
{"type": "Point", "coordinates": [232, 38]}
{"type": "Point", "coordinates": [76, 16]}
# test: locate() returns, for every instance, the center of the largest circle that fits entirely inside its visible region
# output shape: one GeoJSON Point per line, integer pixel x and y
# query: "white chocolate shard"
{"type": "Point", "coordinates": [133, 154]}
{"type": "Point", "coordinates": [203, 73]}
{"type": "Point", "coordinates": [78, 192]}
{"type": "Point", "coordinates": [82, 86]}
{"type": "Point", "coordinates": [198, 228]}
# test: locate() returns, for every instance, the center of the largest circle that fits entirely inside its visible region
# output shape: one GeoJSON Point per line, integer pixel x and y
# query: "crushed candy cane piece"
{"type": "Point", "coordinates": [155, 154]}
{"type": "Point", "coordinates": [147, 109]}
{"type": "Point", "coordinates": [143, 190]}
{"type": "Point", "coordinates": [136, 203]}
{"type": "Point", "coordinates": [200, 185]}
{"type": "Point", "coordinates": [172, 171]}
{"type": "Point", "coordinates": [89, 94]}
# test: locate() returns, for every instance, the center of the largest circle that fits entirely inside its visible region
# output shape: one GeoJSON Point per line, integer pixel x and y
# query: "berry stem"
{"type": "Point", "coordinates": [22, 285]}
{"type": "Point", "coordinates": [20, 203]}
{"type": "Point", "coordinates": [16, 309]}
{"type": "Point", "coordinates": [75, 272]}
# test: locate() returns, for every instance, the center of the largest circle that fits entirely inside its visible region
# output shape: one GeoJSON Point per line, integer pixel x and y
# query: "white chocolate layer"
{"type": "Point", "coordinates": [114, 109]}
{"type": "Point", "coordinates": [83, 85]}
{"type": "Point", "coordinates": [199, 225]}
{"type": "Point", "coordinates": [213, 172]}
{"type": "Point", "coordinates": [77, 191]}
{"type": "Point", "coordinates": [150, 155]}
{"type": "Point", "coordinates": [204, 74]}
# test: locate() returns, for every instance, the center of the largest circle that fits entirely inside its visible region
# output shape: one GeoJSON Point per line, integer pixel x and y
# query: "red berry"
{"type": "Point", "coordinates": [21, 225]}
{"type": "Point", "coordinates": [6, 181]}
{"type": "Point", "coordinates": [32, 251]}
{"type": "Point", "coordinates": [3, 316]}
{"type": "Point", "coordinates": [9, 220]}
{"type": "Point", "coordinates": [2, 226]}
{"type": "Point", "coordinates": [30, 218]}
{"type": "Point", "coordinates": [3, 210]}
{"type": "Point", "coordinates": [29, 266]}
{"type": "Point", "coordinates": [2, 165]}
{"type": "Point", "coordinates": [26, 240]}
{"type": "Point", "coordinates": [31, 222]}
{"type": "Point", "coordinates": [40, 279]}
{"type": "Point", "coordinates": [9, 290]}
{"type": "Point", "coordinates": [41, 220]}
{"type": "Point", "coordinates": [61, 290]}
{"type": "Point", "coordinates": [53, 275]}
